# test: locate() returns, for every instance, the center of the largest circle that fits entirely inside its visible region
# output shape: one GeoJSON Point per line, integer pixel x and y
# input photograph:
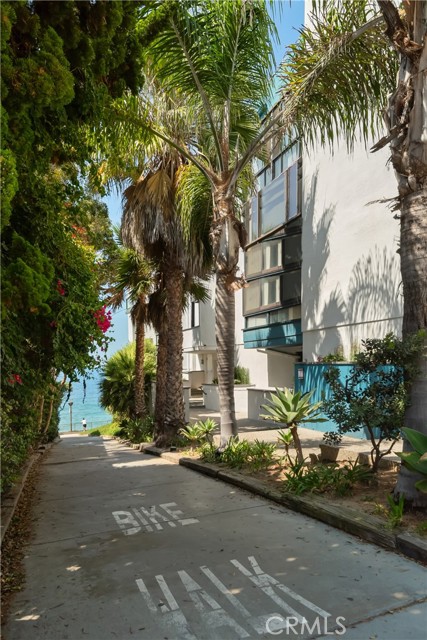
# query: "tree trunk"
{"type": "Point", "coordinates": [174, 409]}
{"type": "Point", "coordinates": [297, 444]}
{"type": "Point", "coordinates": [161, 380]}
{"type": "Point", "coordinates": [227, 236]}
{"type": "Point", "coordinates": [49, 416]}
{"type": "Point", "coordinates": [41, 410]}
{"type": "Point", "coordinates": [140, 409]}
{"type": "Point", "coordinates": [407, 115]}
{"type": "Point", "coordinates": [225, 344]}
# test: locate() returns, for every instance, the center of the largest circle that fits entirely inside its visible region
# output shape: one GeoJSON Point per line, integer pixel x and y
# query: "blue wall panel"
{"type": "Point", "coordinates": [313, 378]}
{"type": "Point", "coordinates": [276, 335]}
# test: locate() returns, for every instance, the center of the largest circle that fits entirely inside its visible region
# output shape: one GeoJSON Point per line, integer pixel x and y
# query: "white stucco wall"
{"type": "Point", "coordinates": [350, 273]}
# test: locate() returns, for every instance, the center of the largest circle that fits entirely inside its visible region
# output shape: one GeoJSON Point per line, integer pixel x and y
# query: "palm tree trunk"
{"type": "Point", "coordinates": [139, 365]}
{"type": "Point", "coordinates": [174, 410]}
{"type": "Point", "coordinates": [161, 380]}
{"type": "Point", "coordinates": [407, 114]}
{"type": "Point", "coordinates": [225, 344]}
{"type": "Point", "coordinates": [413, 253]}
{"type": "Point", "coordinates": [227, 236]}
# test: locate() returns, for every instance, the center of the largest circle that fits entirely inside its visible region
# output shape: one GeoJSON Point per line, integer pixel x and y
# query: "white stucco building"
{"type": "Point", "coordinates": [321, 264]}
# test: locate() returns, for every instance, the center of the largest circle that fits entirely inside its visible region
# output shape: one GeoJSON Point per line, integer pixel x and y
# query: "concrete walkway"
{"type": "Point", "coordinates": [251, 429]}
{"type": "Point", "coordinates": [129, 546]}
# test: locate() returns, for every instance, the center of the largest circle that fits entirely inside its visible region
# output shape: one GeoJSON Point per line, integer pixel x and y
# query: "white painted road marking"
{"type": "Point", "coordinates": [130, 521]}
{"type": "Point", "coordinates": [212, 615]}
{"type": "Point", "coordinates": [264, 579]}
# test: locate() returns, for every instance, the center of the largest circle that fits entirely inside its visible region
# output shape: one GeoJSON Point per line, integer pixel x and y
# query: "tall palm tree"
{"type": "Point", "coordinates": [359, 54]}
{"type": "Point", "coordinates": [150, 225]}
{"type": "Point", "coordinates": [216, 55]}
{"type": "Point", "coordinates": [132, 278]}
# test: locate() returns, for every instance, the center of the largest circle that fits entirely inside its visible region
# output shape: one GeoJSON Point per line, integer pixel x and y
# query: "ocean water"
{"type": "Point", "coordinates": [84, 406]}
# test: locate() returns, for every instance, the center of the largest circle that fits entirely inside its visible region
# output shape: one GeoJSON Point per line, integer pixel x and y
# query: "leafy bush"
{"type": "Point", "coordinates": [255, 455]}
{"type": "Point", "coordinates": [376, 393]}
{"type": "Point", "coordinates": [116, 387]}
{"type": "Point", "coordinates": [332, 438]}
{"type": "Point", "coordinates": [241, 375]}
{"type": "Point", "coordinates": [320, 478]}
{"type": "Point", "coordinates": [199, 431]}
{"type": "Point", "coordinates": [95, 432]}
{"type": "Point", "coordinates": [416, 460]}
{"type": "Point", "coordinates": [208, 452]}
{"type": "Point", "coordinates": [137, 430]}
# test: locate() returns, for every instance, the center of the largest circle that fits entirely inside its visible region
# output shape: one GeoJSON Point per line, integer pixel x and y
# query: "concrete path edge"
{"type": "Point", "coordinates": [11, 499]}
{"type": "Point", "coordinates": [364, 526]}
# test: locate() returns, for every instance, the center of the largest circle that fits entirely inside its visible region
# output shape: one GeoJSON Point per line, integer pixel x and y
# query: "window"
{"type": "Point", "coordinates": [264, 256]}
{"type": "Point", "coordinates": [279, 194]}
{"type": "Point", "coordinates": [260, 293]}
{"type": "Point", "coordinates": [293, 208]}
{"type": "Point", "coordinates": [277, 166]}
{"type": "Point", "coordinates": [291, 286]}
{"type": "Point", "coordinates": [270, 291]}
{"type": "Point", "coordinates": [195, 314]}
{"type": "Point", "coordinates": [274, 291]}
{"type": "Point", "coordinates": [251, 297]}
{"type": "Point", "coordinates": [273, 212]}
{"type": "Point", "coordinates": [285, 315]}
{"type": "Point", "coordinates": [254, 260]}
{"type": "Point", "coordinates": [191, 316]}
{"type": "Point", "coordinates": [292, 250]}
{"type": "Point", "coordinates": [257, 321]}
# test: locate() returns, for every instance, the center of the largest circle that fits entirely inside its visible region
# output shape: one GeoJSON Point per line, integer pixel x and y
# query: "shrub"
{"type": "Point", "coordinates": [241, 375]}
{"type": "Point", "coordinates": [137, 430]}
{"type": "Point", "coordinates": [332, 438]}
{"type": "Point", "coordinates": [416, 460]}
{"type": "Point", "coordinates": [375, 395]}
{"type": "Point", "coordinates": [116, 387]}
{"type": "Point", "coordinates": [255, 455]}
{"type": "Point", "coordinates": [199, 431]}
{"type": "Point", "coordinates": [320, 478]}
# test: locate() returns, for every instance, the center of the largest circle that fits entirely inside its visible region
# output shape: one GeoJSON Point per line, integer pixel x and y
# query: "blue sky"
{"type": "Point", "coordinates": [289, 16]}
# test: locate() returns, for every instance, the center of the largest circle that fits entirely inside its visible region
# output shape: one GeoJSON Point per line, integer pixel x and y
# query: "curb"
{"type": "Point", "coordinates": [11, 499]}
{"type": "Point", "coordinates": [363, 525]}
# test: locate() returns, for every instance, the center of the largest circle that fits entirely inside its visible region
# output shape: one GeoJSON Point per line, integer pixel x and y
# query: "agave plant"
{"type": "Point", "coordinates": [292, 409]}
{"type": "Point", "coordinates": [416, 460]}
{"type": "Point", "coordinates": [201, 430]}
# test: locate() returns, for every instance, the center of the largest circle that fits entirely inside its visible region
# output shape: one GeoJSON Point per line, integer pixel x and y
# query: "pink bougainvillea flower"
{"type": "Point", "coordinates": [60, 288]}
{"type": "Point", "coordinates": [103, 319]}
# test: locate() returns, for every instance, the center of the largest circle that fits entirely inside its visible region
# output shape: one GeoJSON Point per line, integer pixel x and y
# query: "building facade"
{"type": "Point", "coordinates": [321, 265]}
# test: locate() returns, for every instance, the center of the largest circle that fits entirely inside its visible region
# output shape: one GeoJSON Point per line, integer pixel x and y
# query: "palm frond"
{"type": "Point", "coordinates": [338, 75]}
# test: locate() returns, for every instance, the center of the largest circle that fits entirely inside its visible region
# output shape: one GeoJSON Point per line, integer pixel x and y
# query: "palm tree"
{"type": "Point", "coordinates": [117, 384]}
{"type": "Point", "coordinates": [345, 47]}
{"type": "Point", "coordinates": [132, 278]}
{"type": "Point", "coordinates": [215, 56]}
{"type": "Point", "coordinates": [152, 226]}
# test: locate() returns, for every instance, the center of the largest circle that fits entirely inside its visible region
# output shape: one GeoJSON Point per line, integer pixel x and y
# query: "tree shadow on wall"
{"type": "Point", "coordinates": [316, 252]}
{"type": "Point", "coordinates": [374, 291]}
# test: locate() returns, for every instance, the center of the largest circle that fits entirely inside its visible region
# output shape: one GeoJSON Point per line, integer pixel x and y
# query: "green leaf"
{"type": "Point", "coordinates": [417, 440]}
{"type": "Point", "coordinates": [421, 485]}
